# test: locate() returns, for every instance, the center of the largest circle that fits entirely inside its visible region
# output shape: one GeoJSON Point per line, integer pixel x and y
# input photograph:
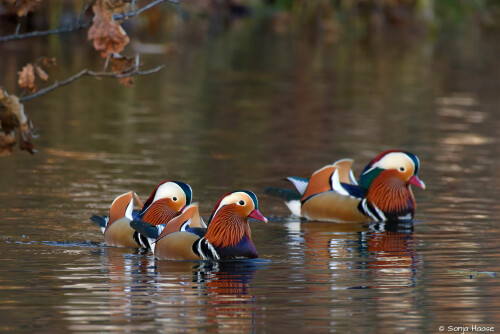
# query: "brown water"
{"type": "Point", "coordinates": [244, 109]}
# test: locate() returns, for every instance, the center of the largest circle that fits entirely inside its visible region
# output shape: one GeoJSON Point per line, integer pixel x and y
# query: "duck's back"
{"type": "Point", "coordinates": [332, 206]}
{"type": "Point", "coordinates": [177, 246]}
{"type": "Point", "coordinates": [120, 234]}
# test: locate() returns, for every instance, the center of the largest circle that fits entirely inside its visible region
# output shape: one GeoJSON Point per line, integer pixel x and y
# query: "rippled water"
{"type": "Point", "coordinates": [244, 111]}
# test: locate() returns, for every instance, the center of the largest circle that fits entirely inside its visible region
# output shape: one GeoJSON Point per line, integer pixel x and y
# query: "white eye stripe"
{"type": "Point", "coordinates": [169, 190]}
{"type": "Point", "coordinates": [233, 198]}
{"type": "Point", "coordinates": [394, 160]}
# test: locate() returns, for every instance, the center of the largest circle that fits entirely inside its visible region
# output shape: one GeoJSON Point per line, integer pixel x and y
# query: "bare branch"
{"type": "Point", "coordinates": [17, 36]}
{"type": "Point", "coordinates": [135, 71]}
{"type": "Point", "coordinates": [79, 24]}
{"type": "Point", "coordinates": [84, 9]}
{"type": "Point", "coordinates": [143, 9]}
{"type": "Point", "coordinates": [106, 62]}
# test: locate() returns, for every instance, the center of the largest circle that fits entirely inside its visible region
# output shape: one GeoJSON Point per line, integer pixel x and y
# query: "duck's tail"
{"type": "Point", "coordinates": [101, 221]}
{"type": "Point", "coordinates": [289, 196]}
{"type": "Point", "coordinates": [146, 233]}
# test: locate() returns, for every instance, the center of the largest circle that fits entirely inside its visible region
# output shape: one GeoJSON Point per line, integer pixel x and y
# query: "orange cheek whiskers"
{"type": "Point", "coordinates": [389, 194]}
{"type": "Point", "coordinates": [159, 212]}
{"type": "Point", "coordinates": [226, 229]}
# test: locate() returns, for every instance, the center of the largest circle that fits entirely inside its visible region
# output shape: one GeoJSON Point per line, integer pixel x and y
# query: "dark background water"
{"type": "Point", "coordinates": [241, 108]}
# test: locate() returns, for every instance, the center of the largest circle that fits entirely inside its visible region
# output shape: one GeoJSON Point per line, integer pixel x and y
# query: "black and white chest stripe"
{"type": "Point", "coordinates": [141, 240]}
{"type": "Point", "coordinates": [205, 250]}
{"type": "Point", "coordinates": [376, 214]}
{"type": "Point", "coordinates": [371, 211]}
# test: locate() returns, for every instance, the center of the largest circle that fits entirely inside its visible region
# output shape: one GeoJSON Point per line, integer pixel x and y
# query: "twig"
{"type": "Point", "coordinates": [79, 24]}
{"type": "Point", "coordinates": [143, 9]}
{"type": "Point", "coordinates": [84, 9]}
{"type": "Point", "coordinates": [17, 36]}
{"type": "Point", "coordinates": [88, 72]}
{"type": "Point", "coordinates": [106, 62]}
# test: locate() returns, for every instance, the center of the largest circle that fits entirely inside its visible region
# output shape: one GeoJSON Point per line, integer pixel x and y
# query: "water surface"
{"type": "Point", "coordinates": [242, 110]}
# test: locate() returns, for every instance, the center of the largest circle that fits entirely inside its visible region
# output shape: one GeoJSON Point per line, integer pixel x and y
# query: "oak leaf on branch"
{"type": "Point", "coordinates": [123, 65]}
{"type": "Point", "coordinates": [48, 61]}
{"type": "Point", "coordinates": [7, 143]}
{"type": "Point", "coordinates": [27, 78]}
{"type": "Point", "coordinates": [108, 35]}
{"type": "Point", "coordinates": [23, 7]}
{"type": "Point", "coordinates": [13, 120]}
{"type": "Point", "coordinates": [41, 73]}
{"type": "Point", "coordinates": [31, 71]}
{"type": "Point", "coordinates": [118, 6]}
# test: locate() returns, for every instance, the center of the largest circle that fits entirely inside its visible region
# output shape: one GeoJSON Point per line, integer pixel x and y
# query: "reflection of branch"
{"type": "Point", "coordinates": [55, 85]}
{"type": "Point", "coordinates": [79, 25]}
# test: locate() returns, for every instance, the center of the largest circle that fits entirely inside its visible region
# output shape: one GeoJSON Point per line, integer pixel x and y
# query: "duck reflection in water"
{"type": "Point", "coordinates": [220, 290]}
{"type": "Point", "coordinates": [173, 295]}
{"type": "Point", "coordinates": [376, 254]}
{"type": "Point", "coordinates": [393, 260]}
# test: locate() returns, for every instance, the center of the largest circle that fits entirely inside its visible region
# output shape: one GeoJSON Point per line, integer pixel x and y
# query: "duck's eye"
{"type": "Point", "coordinates": [241, 202]}
{"type": "Point", "coordinates": [174, 199]}
{"type": "Point", "coordinates": [402, 169]}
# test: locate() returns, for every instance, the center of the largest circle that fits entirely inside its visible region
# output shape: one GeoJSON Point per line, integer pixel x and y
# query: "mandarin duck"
{"type": "Point", "coordinates": [332, 193]}
{"type": "Point", "coordinates": [166, 201]}
{"type": "Point", "coordinates": [227, 236]}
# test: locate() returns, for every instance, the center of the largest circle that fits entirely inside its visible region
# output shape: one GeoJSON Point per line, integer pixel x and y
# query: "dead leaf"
{"type": "Point", "coordinates": [13, 115]}
{"type": "Point", "coordinates": [7, 142]}
{"type": "Point", "coordinates": [41, 73]}
{"type": "Point", "coordinates": [48, 61]}
{"type": "Point", "coordinates": [123, 65]}
{"type": "Point", "coordinates": [118, 6]}
{"type": "Point", "coordinates": [107, 34]}
{"type": "Point", "coordinates": [126, 81]}
{"type": "Point", "coordinates": [27, 78]}
{"type": "Point", "coordinates": [23, 7]}
{"type": "Point", "coordinates": [12, 120]}
{"type": "Point", "coordinates": [25, 137]}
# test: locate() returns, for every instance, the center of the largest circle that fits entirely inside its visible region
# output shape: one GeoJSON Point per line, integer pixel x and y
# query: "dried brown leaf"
{"type": "Point", "coordinates": [23, 7]}
{"type": "Point", "coordinates": [118, 6]}
{"type": "Point", "coordinates": [12, 120]}
{"type": "Point", "coordinates": [107, 34]}
{"type": "Point", "coordinates": [27, 78]}
{"type": "Point", "coordinates": [126, 81]}
{"type": "Point", "coordinates": [12, 115]}
{"type": "Point", "coordinates": [42, 75]}
{"type": "Point", "coordinates": [123, 65]}
{"type": "Point", "coordinates": [25, 137]}
{"type": "Point", "coordinates": [48, 61]}
{"type": "Point", "coordinates": [7, 142]}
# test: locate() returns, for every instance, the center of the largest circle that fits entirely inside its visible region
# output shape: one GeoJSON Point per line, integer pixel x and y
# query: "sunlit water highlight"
{"type": "Point", "coordinates": [231, 124]}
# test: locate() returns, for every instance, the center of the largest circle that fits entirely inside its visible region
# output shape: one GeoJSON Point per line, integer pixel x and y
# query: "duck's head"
{"type": "Point", "coordinates": [228, 223]}
{"type": "Point", "coordinates": [404, 165]}
{"type": "Point", "coordinates": [175, 194]}
{"type": "Point", "coordinates": [242, 203]}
